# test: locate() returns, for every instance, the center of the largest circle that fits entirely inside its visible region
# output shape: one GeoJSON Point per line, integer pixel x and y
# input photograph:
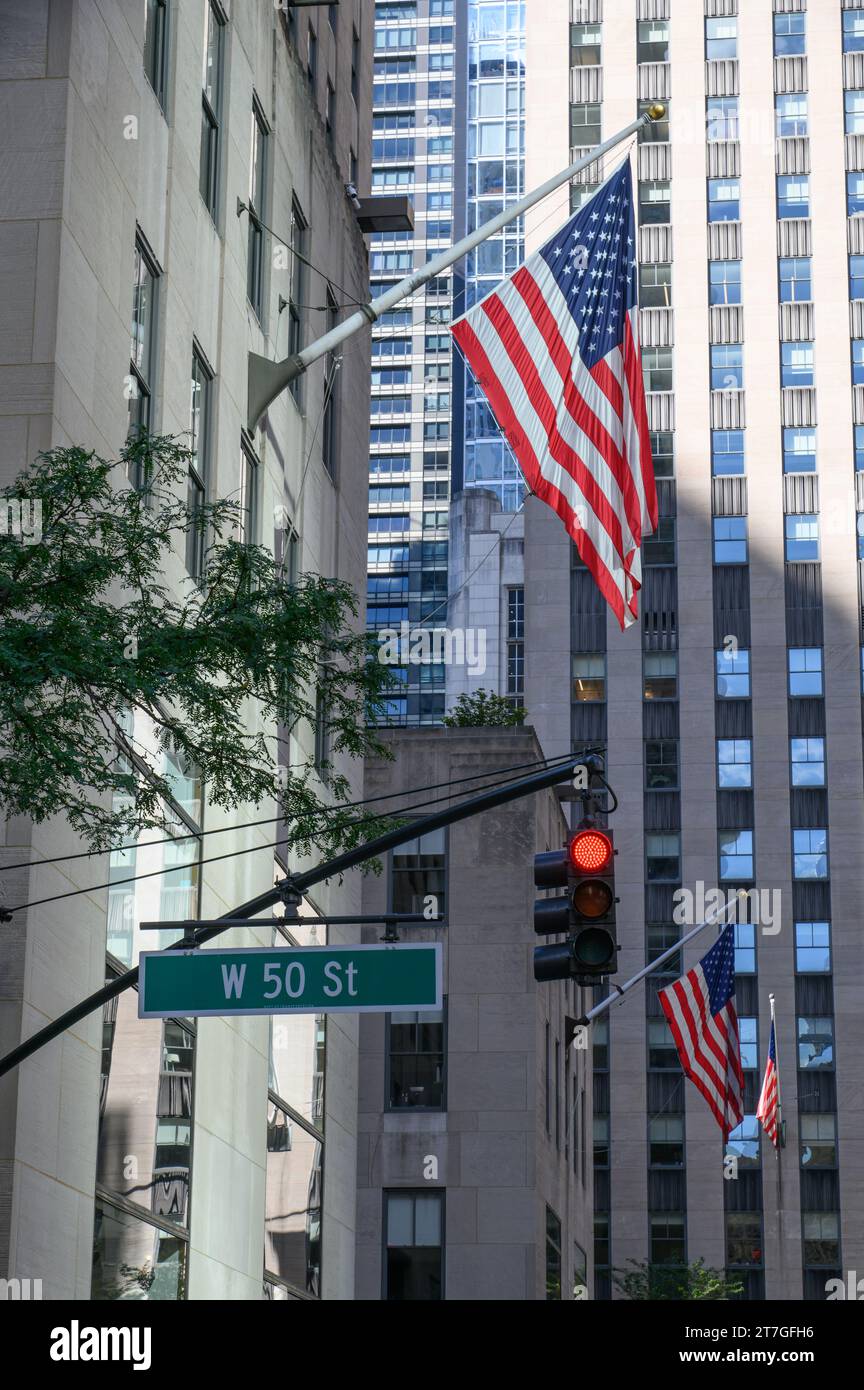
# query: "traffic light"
{"type": "Point", "coordinates": [586, 869]}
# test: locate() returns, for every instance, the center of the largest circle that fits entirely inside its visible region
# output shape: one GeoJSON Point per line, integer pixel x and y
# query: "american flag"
{"type": "Point", "coordinates": [700, 1009]}
{"type": "Point", "coordinates": [766, 1110]}
{"type": "Point", "coordinates": [556, 351]}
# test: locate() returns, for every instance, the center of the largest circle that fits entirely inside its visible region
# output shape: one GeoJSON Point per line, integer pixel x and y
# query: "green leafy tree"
{"type": "Point", "coordinates": [693, 1282]}
{"type": "Point", "coordinates": [93, 631]}
{"type": "Point", "coordinates": [483, 710]}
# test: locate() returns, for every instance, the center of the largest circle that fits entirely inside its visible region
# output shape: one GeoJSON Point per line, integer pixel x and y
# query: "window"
{"type": "Point", "coordinates": [662, 1053]}
{"type": "Point", "coordinates": [796, 364]}
{"type": "Point", "coordinates": [257, 210]}
{"type": "Point", "coordinates": [859, 448]}
{"type": "Point", "coordinates": [657, 368]}
{"type": "Point", "coordinates": [199, 462]}
{"type": "Point", "coordinates": [854, 194]}
{"type": "Point", "coordinates": [663, 858]}
{"type": "Point", "coordinates": [724, 282]}
{"type": "Point", "coordinates": [749, 1036]}
{"type": "Point", "coordinates": [793, 195]}
{"type": "Point", "coordinates": [515, 644]}
{"type": "Point", "coordinates": [821, 1230]}
{"type": "Point", "coordinates": [853, 31]}
{"type": "Point", "coordinates": [659, 548]}
{"type": "Point", "coordinates": [808, 762]}
{"type": "Point", "coordinates": [817, 1138]}
{"type": "Point", "coordinates": [812, 948]}
{"type": "Point", "coordinates": [734, 763]}
{"type": "Point", "coordinates": [858, 361]}
{"type": "Point", "coordinates": [589, 679]}
{"type": "Point", "coordinates": [722, 123]}
{"type": "Point", "coordinates": [652, 41]}
{"type": "Point", "coordinates": [802, 538]}
{"type": "Point", "coordinates": [416, 1052]}
{"type": "Point", "coordinates": [661, 764]}
{"type": "Point", "coordinates": [298, 247]}
{"type": "Point", "coordinates": [655, 284]}
{"type": "Point", "coordinates": [118, 1239]}
{"type": "Point", "coordinates": [745, 948]}
{"type": "Point", "coordinates": [659, 937]}
{"type": "Point", "coordinates": [663, 454]}
{"type": "Point", "coordinates": [727, 453]}
{"type": "Point", "coordinates": [329, 109]}
{"type": "Point", "coordinates": [744, 1238]}
{"type": "Point", "coordinates": [655, 199]}
{"type": "Point", "coordinates": [856, 272]}
{"type": "Point", "coordinates": [805, 671]}
{"type": "Point", "coordinates": [585, 124]}
{"type": "Point", "coordinates": [666, 1141]}
{"type": "Point", "coordinates": [795, 279]}
{"type": "Point", "coordinates": [355, 65]}
{"type": "Point", "coordinates": [312, 60]}
{"type": "Point", "coordinates": [143, 346]}
{"type": "Point", "coordinates": [247, 496]}
{"type": "Point", "coordinates": [321, 755]}
{"type": "Point", "coordinates": [790, 35]}
{"type": "Point", "coordinates": [414, 1268]}
{"type": "Point", "coordinates": [791, 114]}
{"type": "Point", "coordinates": [799, 451]}
{"type": "Point", "coordinates": [724, 200]}
{"type": "Point", "coordinates": [736, 855]}
{"type": "Point", "coordinates": [854, 103]}
{"type": "Point", "coordinates": [721, 38]}
{"type": "Point", "coordinates": [156, 46]}
{"type": "Point", "coordinates": [553, 1256]}
{"type": "Point", "coordinates": [329, 451]}
{"type": "Point", "coordinates": [727, 367]}
{"type": "Point", "coordinates": [660, 676]}
{"type": "Point", "coordinates": [584, 45]}
{"type": "Point", "coordinates": [743, 1142]}
{"type": "Point", "coordinates": [730, 540]}
{"type": "Point", "coordinates": [815, 1043]}
{"type": "Point", "coordinates": [733, 675]}
{"type": "Point", "coordinates": [600, 1045]}
{"type": "Point", "coordinates": [668, 1246]}
{"type": "Point", "coordinates": [211, 114]}
{"type": "Point", "coordinates": [418, 869]}
{"type": "Point", "coordinates": [810, 853]}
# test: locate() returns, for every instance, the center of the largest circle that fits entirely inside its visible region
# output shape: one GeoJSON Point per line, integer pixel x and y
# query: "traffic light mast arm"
{"type": "Point", "coordinates": [299, 883]}
{"type": "Point", "coordinates": [621, 990]}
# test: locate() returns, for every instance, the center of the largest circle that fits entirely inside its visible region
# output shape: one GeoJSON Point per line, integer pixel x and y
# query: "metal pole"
{"type": "Point", "coordinates": [484, 801]}
{"type": "Point", "coordinates": [268, 379]}
{"type": "Point", "coordinates": [649, 969]}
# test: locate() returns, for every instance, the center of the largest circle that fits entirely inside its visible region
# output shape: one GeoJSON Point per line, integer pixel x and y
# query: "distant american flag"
{"type": "Point", "coordinates": [556, 351]}
{"type": "Point", "coordinates": [766, 1110]}
{"type": "Point", "coordinates": [700, 1009]}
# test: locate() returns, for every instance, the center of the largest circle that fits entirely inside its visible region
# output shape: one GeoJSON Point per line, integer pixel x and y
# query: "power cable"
{"type": "Point", "coordinates": [232, 854]}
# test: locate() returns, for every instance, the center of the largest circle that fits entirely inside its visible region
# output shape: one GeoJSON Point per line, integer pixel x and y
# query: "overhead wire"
{"type": "Point", "coordinates": [235, 854]}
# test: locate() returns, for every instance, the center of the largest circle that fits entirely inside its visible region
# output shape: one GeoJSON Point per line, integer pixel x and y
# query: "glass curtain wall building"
{"type": "Point", "coordinates": [495, 177]}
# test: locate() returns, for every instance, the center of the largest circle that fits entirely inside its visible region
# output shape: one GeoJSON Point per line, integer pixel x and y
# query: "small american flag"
{"type": "Point", "coordinates": [766, 1110]}
{"type": "Point", "coordinates": [556, 351]}
{"type": "Point", "coordinates": [700, 1009]}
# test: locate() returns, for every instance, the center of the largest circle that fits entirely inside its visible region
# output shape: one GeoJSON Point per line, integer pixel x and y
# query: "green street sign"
{"type": "Point", "coordinates": [304, 980]}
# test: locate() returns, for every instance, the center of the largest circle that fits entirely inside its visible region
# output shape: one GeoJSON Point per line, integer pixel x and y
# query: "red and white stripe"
{"type": "Point", "coordinates": [708, 1045]}
{"type": "Point", "coordinates": [766, 1110]}
{"type": "Point", "coordinates": [580, 436]}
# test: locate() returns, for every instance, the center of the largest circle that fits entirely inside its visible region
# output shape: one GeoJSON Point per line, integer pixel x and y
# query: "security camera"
{"type": "Point", "coordinates": [351, 192]}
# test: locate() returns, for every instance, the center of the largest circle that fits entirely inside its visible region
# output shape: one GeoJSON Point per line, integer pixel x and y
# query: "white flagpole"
{"type": "Point", "coordinates": [649, 969]}
{"type": "Point", "coordinates": [268, 379]}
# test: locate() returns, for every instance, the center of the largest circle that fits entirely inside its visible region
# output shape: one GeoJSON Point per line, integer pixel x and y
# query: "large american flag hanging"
{"type": "Point", "coordinates": [766, 1110]}
{"type": "Point", "coordinates": [700, 1010]}
{"type": "Point", "coordinates": [556, 351]}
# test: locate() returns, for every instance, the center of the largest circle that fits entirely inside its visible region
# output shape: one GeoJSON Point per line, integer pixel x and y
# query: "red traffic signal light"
{"type": "Point", "coordinates": [590, 852]}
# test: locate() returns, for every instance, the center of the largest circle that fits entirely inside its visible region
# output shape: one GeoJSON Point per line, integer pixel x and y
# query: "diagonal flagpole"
{"type": "Point", "coordinates": [267, 379]}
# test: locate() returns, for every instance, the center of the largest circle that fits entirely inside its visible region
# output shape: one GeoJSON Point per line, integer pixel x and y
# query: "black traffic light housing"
{"type": "Point", "coordinates": [585, 868]}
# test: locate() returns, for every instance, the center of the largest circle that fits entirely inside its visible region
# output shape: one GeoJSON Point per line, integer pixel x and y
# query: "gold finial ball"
{"type": "Point", "coordinates": [657, 111]}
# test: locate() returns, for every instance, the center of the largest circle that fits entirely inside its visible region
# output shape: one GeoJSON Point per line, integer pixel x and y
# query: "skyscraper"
{"type": "Point", "coordinates": [745, 670]}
